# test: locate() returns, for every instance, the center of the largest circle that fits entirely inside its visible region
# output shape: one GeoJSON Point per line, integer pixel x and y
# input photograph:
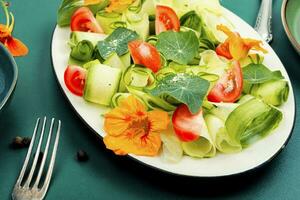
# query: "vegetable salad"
{"type": "Point", "coordinates": [180, 80]}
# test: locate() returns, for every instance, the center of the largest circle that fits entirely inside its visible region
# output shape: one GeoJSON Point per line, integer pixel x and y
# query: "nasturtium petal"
{"type": "Point", "coordinates": [180, 47]}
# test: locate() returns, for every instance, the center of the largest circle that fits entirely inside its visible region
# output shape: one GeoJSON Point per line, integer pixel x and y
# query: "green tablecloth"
{"type": "Point", "coordinates": [106, 176]}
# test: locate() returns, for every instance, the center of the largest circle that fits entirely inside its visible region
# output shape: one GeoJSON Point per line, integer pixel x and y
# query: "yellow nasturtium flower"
{"type": "Point", "coordinates": [235, 47]}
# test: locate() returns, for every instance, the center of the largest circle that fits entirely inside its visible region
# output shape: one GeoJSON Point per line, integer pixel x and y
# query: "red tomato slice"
{"type": "Point", "coordinates": [84, 20]}
{"type": "Point", "coordinates": [75, 79]}
{"type": "Point", "coordinates": [145, 54]}
{"type": "Point", "coordinates": [187, 126]}
{"type": "Point", "coordinates": [223, 50]}
{"type": "Point", "coordinates": [229, 87]}
{"type": "Point", "coordinates": [166, 19]}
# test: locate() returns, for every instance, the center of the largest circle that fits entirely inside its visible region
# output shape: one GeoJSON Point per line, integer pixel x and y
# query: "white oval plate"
{"type": "Point", "coordinates": [222, 165]}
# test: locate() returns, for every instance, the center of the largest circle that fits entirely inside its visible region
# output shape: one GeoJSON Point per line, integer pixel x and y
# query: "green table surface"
{"type": "Point", "coordinates": [106, 176]}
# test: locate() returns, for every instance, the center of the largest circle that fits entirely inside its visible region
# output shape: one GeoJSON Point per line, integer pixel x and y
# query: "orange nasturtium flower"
{"type": "Point", "coordinates": [15, 46]}
{"type": "Point", "coordinates": [237, 47]}
{"type": "Point", "coordinates": [131, 129]}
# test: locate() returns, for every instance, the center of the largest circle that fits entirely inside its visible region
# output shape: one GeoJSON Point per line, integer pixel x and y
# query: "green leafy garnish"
{"type": "Point", "coordinates": [116, 42]}
{"type": "Point", "coordinates": [205, 44]}
{"type": "Point", "coordinates": [180, 47]}
{"type": "Point", "coordinates": [185, 88]}
{"type": "Point", "coordinates": [259, 73]}
{"type": "Point", "coordinates": [191, 20]}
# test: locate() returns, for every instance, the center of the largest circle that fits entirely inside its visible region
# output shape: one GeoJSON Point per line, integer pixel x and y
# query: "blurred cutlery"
{"type": "Point", "coordinates": [264, 20]}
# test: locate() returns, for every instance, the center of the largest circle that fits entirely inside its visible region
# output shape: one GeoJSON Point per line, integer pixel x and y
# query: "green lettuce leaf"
{"type": "Point", "coordinates": [219, 134]}
{"type": "Point", "coordinates": [171, 148]}
{"type": "Point", "coordinates": [180, 47]}
{"type": "Point", "coordinates": [210, 12]}
{"type": "Point", "coordinates": [191, 20]}
{"type": "Point", "coordinates": [212, 6]}
{"type": "Point", "coordinates": [179, 6]}
{"type": "Point", "coordinates": [116, 42]}
{"type": "Point", "coordinates": [183, 6]}
{"type": "Point", "coordinates": [214, 64]}
{"type": "Point", "coordinates": [210, 23]}
{"type": "Point", "coordinates": [206, 44]}
{"type": "Point", "coordinates": [185, 88]}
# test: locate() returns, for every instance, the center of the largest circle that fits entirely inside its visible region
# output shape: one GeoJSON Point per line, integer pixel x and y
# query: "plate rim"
{"type": "Point", "coordinates": [174, 173]}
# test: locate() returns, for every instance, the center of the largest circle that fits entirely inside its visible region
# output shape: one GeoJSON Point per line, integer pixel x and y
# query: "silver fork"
{"type": "Point", "coordinates": [264, 21]}
{"type": "Point", "coordinates": [26, 191]}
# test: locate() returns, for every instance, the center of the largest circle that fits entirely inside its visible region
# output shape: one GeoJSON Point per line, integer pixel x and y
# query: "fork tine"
{"type": "Point", "coordinates": [36, 157]}
{"type": "Point", "coordinates": [36, 184]}
{"type": "Point", "coordinates": [21, 176]}
{"type": "Point", "coordinates": [52, 161]}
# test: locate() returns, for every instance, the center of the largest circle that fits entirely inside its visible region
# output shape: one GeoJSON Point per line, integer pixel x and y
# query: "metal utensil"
{"type": "Point", "coordinates": [31, 190]}
{"type": "Point", "coordinates": [264, 20]}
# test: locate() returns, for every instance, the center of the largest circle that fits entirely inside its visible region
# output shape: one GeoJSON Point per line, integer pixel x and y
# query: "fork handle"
{"type": "Point", "coordinates": [264, 20]}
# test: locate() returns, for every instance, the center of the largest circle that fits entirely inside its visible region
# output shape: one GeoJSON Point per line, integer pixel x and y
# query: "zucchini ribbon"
{"type": "Point", "coordinates": [139, 79]}
{"type": "Point", "coordinates": [83, 51]}
{"type": "Point", "coordinates": [240, 124]}
{"type": "Point", "coordinates": [272, 92]}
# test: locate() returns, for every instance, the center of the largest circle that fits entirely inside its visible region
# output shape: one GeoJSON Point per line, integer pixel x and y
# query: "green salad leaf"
{"type": "Point", "coordinates": [212, 6]}
{"type": "Point", "coordinates": [206, 44]}
{"type": "Point", "coordinates": [259, 73]}
{"type": "Point", "coordinates": [185, 88]}
{"type": "Point", "coordinates": [214, 64]}
{"type": "Point", "coordinates": [180, 47]}
{"type": "Point", "coordinates": [191, 20]}
{"type": "Point", "coordinates": [210, 22]}
{"type": "Point", "coordinates": [117, 42]}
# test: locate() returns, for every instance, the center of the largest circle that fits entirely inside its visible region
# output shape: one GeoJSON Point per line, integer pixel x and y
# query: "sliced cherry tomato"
{"type": "Point", "coordinates": [186, 125]}
{"type": "Point", "coordinates": [223, 50]}
{"type": "Point", "coordinates": [145, 54]}
{"type": "Point", "coordinates": [166, 19]}
{"type": "Point", "coordinates": [229, 87]}
{"type": "Point", "coordinates": [75, 79]}
{"type": "Point", "coordinates": [84, 20]}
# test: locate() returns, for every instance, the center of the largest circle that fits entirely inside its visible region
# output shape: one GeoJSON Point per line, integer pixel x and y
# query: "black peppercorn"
{"type": "Point", "coordinates": [17, 143]}
{"type": "Point", "coordinates": [82, 156]}
{"type": "Point", "coordinates": [20, 142]}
